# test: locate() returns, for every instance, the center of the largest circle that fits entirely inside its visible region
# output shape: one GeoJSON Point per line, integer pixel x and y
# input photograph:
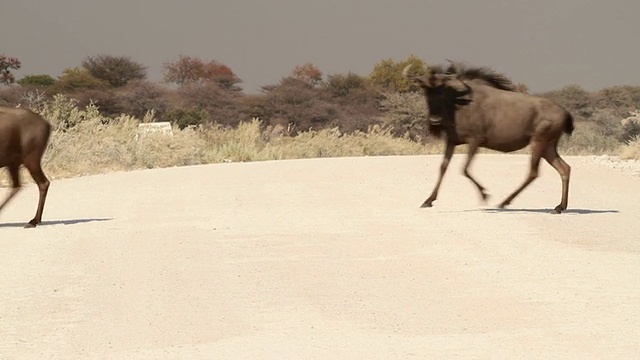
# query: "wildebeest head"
{"type": "Point", "coordinates": [444, 91]}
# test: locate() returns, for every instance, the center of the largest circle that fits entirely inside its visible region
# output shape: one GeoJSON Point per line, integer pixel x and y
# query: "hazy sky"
{"type": "Point", "coordinates": [544, 43]}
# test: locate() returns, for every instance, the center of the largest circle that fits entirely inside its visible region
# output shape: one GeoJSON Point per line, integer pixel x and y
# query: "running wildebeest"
{"type": "Point", "coordinates": [481, 108]}
{"type": "Point", "coordinates": [23, 139]}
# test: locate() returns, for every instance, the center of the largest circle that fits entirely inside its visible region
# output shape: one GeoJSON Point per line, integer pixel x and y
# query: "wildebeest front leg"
{"type": "Point", "coordinates": [473, 149]}
{"type": "Point", "coordinates": [448, 153]}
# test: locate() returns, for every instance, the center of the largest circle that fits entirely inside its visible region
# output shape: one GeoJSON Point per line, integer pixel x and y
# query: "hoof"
{"type": "Point", "coordinates": [31, 224]}
{"type": "Point", "coordinates": [426, 204]}
{"type": "Point", "coordinates": [502, 206]}
{"type": "Point", "coordinates": [558, 210]}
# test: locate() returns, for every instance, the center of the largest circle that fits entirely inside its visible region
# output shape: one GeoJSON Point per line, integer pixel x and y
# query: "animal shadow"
{"type": "Point", "coordinates": [56, 222]}
{"type": "Point", "coordinates": [548, 211]}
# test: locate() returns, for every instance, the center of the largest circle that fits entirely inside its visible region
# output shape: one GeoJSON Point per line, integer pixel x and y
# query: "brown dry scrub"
{"type": "Point", "coordinates": [84, 142]}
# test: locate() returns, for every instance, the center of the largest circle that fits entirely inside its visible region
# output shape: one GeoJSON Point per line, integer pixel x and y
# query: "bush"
{"type": "Point", "coordinates": [76, 79]}
{"type": "Point", "coordinates": [141, 96]}
{"type": "Point", "coordinates": [406, 114]}
{"type": "Point", "coordinates": [300, 104]}
{"type": "Point", "coordinates": [183, 118]}
{"type": "Point", "coordinates": [37, 80]}
{"type": "Point", "coordinates": [621, 99]}
{"type": "Point", "coordinates": [632, 149]}
{"type": "Point", "coordinates": [574, 98]}
{"type": "Point", "coordinates": [222, 106]}
{"type": "Point", "coordinates": [10, 95]}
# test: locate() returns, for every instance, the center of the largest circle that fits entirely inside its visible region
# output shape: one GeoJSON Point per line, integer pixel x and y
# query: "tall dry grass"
{"type": "Point", "coordinates": [84, 142]}
{"type": "Point", "coordinates": [632, 148]}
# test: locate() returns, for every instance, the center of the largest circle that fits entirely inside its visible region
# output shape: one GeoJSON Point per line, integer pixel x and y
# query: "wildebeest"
{"type": "Point", "coordinates": [481, 108]}
{"type": "Point", "coordinates": [23, 139]}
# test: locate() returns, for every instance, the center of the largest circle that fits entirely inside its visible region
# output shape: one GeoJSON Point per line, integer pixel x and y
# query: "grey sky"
{"type": "Point", "coordinates": [545, 43]}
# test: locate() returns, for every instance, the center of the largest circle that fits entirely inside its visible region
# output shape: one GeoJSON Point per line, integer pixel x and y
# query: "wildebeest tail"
{"type": "Point", "coordinates": [568, 124]}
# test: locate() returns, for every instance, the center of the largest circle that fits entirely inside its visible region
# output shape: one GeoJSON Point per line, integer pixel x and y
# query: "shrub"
{"type": "Point", "coordinates": [75, 79]}
{"type": "Point", "coordinates": [222, 106]}
{"type": "Point", "coordinates": [183, 118]}
{"type": "Point", "coordinates": [299, 103]}
{"type": "Point", "coordinates": [621, 99]}
{"type": "Point", "coordinates": [388, 74]}
{"type": "Point", "coordinates": [574, 98]}
{"type": "Point", "coordinates": [141, 96]}
{"type": "Point", "coordinates": [37, 80]}
{"type": "Point", "coordinates": [632, 149]}
{"type": "Point", "coordinates": [405, 113]}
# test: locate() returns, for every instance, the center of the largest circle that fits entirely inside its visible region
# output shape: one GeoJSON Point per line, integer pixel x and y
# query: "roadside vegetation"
{"type": "Point", "coordinates": [96, 109]}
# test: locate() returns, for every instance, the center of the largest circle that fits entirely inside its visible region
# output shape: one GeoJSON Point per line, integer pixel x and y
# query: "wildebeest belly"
{"type": "Point", "coordinates": [507, 145]}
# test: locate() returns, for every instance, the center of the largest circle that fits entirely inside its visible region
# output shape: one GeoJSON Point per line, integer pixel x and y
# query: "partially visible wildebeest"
{"type": "Point", "coordinates": [479, 107]}
{"type": "Point", "coordinates": [23, 139]}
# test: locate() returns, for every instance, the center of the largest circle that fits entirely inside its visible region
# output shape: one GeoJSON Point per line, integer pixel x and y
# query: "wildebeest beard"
{"type": "Point", "coordinates": [443, 115]}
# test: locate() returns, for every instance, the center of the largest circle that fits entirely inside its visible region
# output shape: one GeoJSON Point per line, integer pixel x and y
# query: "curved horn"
{"type": "Point", "coordinates": [454, 65]}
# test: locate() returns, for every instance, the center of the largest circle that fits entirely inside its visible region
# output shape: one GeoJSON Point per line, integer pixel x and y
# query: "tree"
{"type": "Point", "coordinates": [184, 70]}
{"type": "Point", "coordinates": [188, 70]}
{"type": "Point", "coordinates": [388, 74]}
{"type": "Point", "coordinates": [220, 74]}
{"type": "Point", "coordinates": [6, 65]}
{"type": "Point", "coordinates": [42, 80]}
{"type": "Point", "coordinates": [76, 78]}
{"type": "Point", "coordinates": [114, 70]}
{"type": "Point", "coordinates": [343, 84]}
{"type": "Point", "coordinates": [307, 72]}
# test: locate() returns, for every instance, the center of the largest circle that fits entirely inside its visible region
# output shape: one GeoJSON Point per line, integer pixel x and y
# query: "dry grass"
{"type": "Point", "coordinates": [84, 142]}
{"type": "Point", "coordinates": [632, 150]}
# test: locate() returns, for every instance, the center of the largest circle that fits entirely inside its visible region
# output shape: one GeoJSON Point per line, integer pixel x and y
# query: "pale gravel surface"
{"type": "Point", "coordinates": [613, 162]}
{"type": "Point", "coordinates": [324, 259]}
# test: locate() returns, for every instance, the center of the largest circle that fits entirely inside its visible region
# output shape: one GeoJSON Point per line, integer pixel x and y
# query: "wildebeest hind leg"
{"type": "Point", "coordinates": [536, 153]}
{"type": "Point", "coordinates": [14, 172]}
{"type": "Point", "coordinates": [34, 166]}
{"type": "Point", "coordinates": [552, 157]}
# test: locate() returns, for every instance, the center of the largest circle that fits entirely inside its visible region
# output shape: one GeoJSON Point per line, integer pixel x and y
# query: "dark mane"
{"type": "Point", "coordinates": [488, 75]}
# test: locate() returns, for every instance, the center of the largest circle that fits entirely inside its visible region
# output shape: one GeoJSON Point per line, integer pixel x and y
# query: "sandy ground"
{"type": "Point", "coordinates": [324, 258]}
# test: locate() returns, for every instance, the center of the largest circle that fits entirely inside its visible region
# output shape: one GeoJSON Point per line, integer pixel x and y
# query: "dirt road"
{"type": "Point", "coordinates": [324, 258]}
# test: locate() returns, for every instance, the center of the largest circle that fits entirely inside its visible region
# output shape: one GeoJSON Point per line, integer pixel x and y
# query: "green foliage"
{"type": "Point", "coordinates": [6, 65]}
{"type": "Point", "coordinates": [341, 85]}
{"type": "Point", "coordinates": [114, 70]}
{"type": "Point", "coordinates": [388, 74]}
{"type": "Point", "coordinates": [63, 113]}
{"type": "Point", "coordinates": [42, 80]}
{"type": "Point", "coordinates": [76, 79]}
{"type": "Point", "coordinates": [187, 117]}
